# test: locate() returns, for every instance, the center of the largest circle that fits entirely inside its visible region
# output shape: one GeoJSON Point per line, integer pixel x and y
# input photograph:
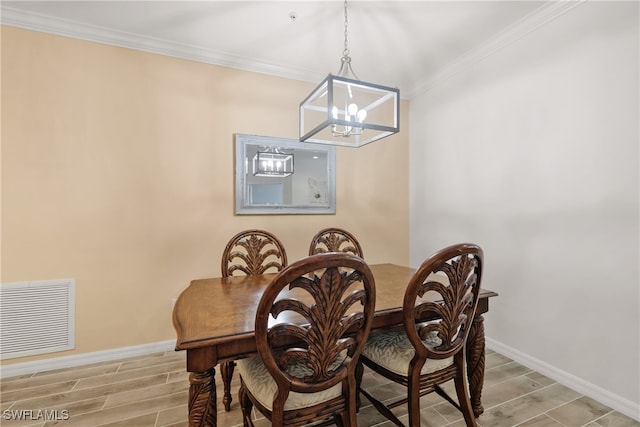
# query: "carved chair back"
{"type": "Point", "coordinates": [335, 240]}
{"type": "Point", "coordinates": [325, 303]}
{"type": "Point", "coordinates": [445, 287]}
{"type": "Point", "coordinates": [249, 252]}
{"type": "Point", "coordinates": [253, 252]}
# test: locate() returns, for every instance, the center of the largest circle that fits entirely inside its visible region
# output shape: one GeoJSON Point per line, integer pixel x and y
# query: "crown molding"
{"type": "Point", "coordinates": [68, 28]}
{"type": "Point", "coordinates": [546, 13]}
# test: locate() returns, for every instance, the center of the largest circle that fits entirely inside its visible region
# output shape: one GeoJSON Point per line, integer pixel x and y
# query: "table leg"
{"type": "Point", "coordinates": [202, 399]}
{"type": "Point", "coordinates": [475, 363]}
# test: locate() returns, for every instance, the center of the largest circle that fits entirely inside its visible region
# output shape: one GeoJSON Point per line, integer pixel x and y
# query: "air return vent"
{"type": "Point", "coordinates": [36, 317]}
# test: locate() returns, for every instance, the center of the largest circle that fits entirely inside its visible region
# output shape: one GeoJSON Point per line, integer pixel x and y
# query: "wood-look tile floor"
{"type": "Point", "coordinates": [151, 391]}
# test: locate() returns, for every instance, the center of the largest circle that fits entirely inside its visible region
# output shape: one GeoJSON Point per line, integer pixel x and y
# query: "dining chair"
{"type": "Point", "coordinates": [428, 349]}
{"type": "Point", "coordinates": [335, 240]}
{"type": "Point", "coordinates": [311, 324]}
{"type": "Point", "coordinates": [249, 252]}
{"type": "Point", "coordinates": [253, 252]}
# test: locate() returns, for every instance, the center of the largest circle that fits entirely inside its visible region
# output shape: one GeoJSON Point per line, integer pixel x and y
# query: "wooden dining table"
{"type": "Point", "coordinates": [214, 322]}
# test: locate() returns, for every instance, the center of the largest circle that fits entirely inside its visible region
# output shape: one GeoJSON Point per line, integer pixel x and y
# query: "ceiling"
{"type": "Point", "coordinates": [405, 44]}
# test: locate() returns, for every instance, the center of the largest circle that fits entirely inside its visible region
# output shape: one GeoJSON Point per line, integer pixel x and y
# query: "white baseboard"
{"type": "Point", "coordinates": [50, 364]}
{"type": "Point", "coordinates": [618, 403]}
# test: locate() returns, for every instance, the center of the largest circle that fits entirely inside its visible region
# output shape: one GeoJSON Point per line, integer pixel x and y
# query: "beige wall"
{"type": "Point", "coordinates": [117, 170]}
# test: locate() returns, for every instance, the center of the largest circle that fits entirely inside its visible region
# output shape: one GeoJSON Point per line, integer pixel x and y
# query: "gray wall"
{"type": "Point", "coordinates": [532, 153]}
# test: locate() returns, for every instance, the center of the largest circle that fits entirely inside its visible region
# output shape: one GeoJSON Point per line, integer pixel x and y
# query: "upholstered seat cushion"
{"type": "Point", "coordinates": [260, 383]}
{"type": "Point", "coordinates": [391, 349]}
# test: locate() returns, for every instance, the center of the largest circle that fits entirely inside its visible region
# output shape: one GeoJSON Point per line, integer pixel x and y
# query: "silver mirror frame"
{"type": "Point", "coordinates": [242, 204]}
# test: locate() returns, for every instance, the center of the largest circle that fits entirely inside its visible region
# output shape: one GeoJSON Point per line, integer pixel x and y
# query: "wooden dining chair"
{"type": "Point", "coordinates": [249, 252]}
{"type": "Point", "coordinates": [335, 240]}
{"type": "Point", "coordinates": [428, 349]}
{"type": "Point", "coordinates": [253, 252]}
{"type": "Point", "coordinates": [311, 324]}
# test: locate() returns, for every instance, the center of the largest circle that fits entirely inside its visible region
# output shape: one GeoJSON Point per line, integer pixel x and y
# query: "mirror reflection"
{"type": "Point", "coordinates": [283, 176]}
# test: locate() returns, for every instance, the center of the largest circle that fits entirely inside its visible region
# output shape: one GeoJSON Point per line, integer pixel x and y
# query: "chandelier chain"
{"type": "Point", "coordinates": [346, 22]}
{"type": "Point", "coordinates": [345, 62]}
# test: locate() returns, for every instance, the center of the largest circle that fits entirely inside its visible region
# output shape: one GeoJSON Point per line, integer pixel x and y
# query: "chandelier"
{"type": "Point", "coordinates": [272, 162]}
{"type": "Point", "coordinates": [343, 110]}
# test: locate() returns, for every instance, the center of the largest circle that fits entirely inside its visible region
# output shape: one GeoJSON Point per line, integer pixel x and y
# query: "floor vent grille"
{"type": "Point", "coordinates": [36, 317]}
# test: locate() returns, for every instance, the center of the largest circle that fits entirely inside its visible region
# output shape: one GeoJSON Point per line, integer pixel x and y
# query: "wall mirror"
{"type": "Point", "coordinates": [284, 176]}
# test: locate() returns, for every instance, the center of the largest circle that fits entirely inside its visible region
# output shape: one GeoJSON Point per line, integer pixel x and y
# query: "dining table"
{"type": "Point", "coordinates": [214, 322]}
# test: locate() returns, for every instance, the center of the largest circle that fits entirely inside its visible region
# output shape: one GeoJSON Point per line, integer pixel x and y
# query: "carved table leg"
{"type": "Point", "coordinates": [475, 364]}
{"type": "Point", "coordinates": [226, 372]}
{"type": "Point", "coordinates": [202, 399]}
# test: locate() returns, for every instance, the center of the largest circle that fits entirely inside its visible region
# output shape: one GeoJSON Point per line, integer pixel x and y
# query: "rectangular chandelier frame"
{"type": "Point", "coordinates": [322, 112]}
{"type": "Point", "coordinates": [272, 164]}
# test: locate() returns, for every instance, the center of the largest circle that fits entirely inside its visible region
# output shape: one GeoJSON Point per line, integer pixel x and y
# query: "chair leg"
{"type": "Point", "coordinates": [413, 402]}
{"type": "Point", "coordinates": [246, 405]}
{"type": "Point", "coordinates": [226, 372]}
{"type": "Point", "coordinates": [359, 374]}
{"type": "Point", "coordinates": [460, 382]}
{"type": "Point", "coordinates": [350, 417]}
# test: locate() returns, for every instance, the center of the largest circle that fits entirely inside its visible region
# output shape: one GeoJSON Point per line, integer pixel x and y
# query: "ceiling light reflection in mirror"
{"type": "Point", "coordinates": [283, 176]}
